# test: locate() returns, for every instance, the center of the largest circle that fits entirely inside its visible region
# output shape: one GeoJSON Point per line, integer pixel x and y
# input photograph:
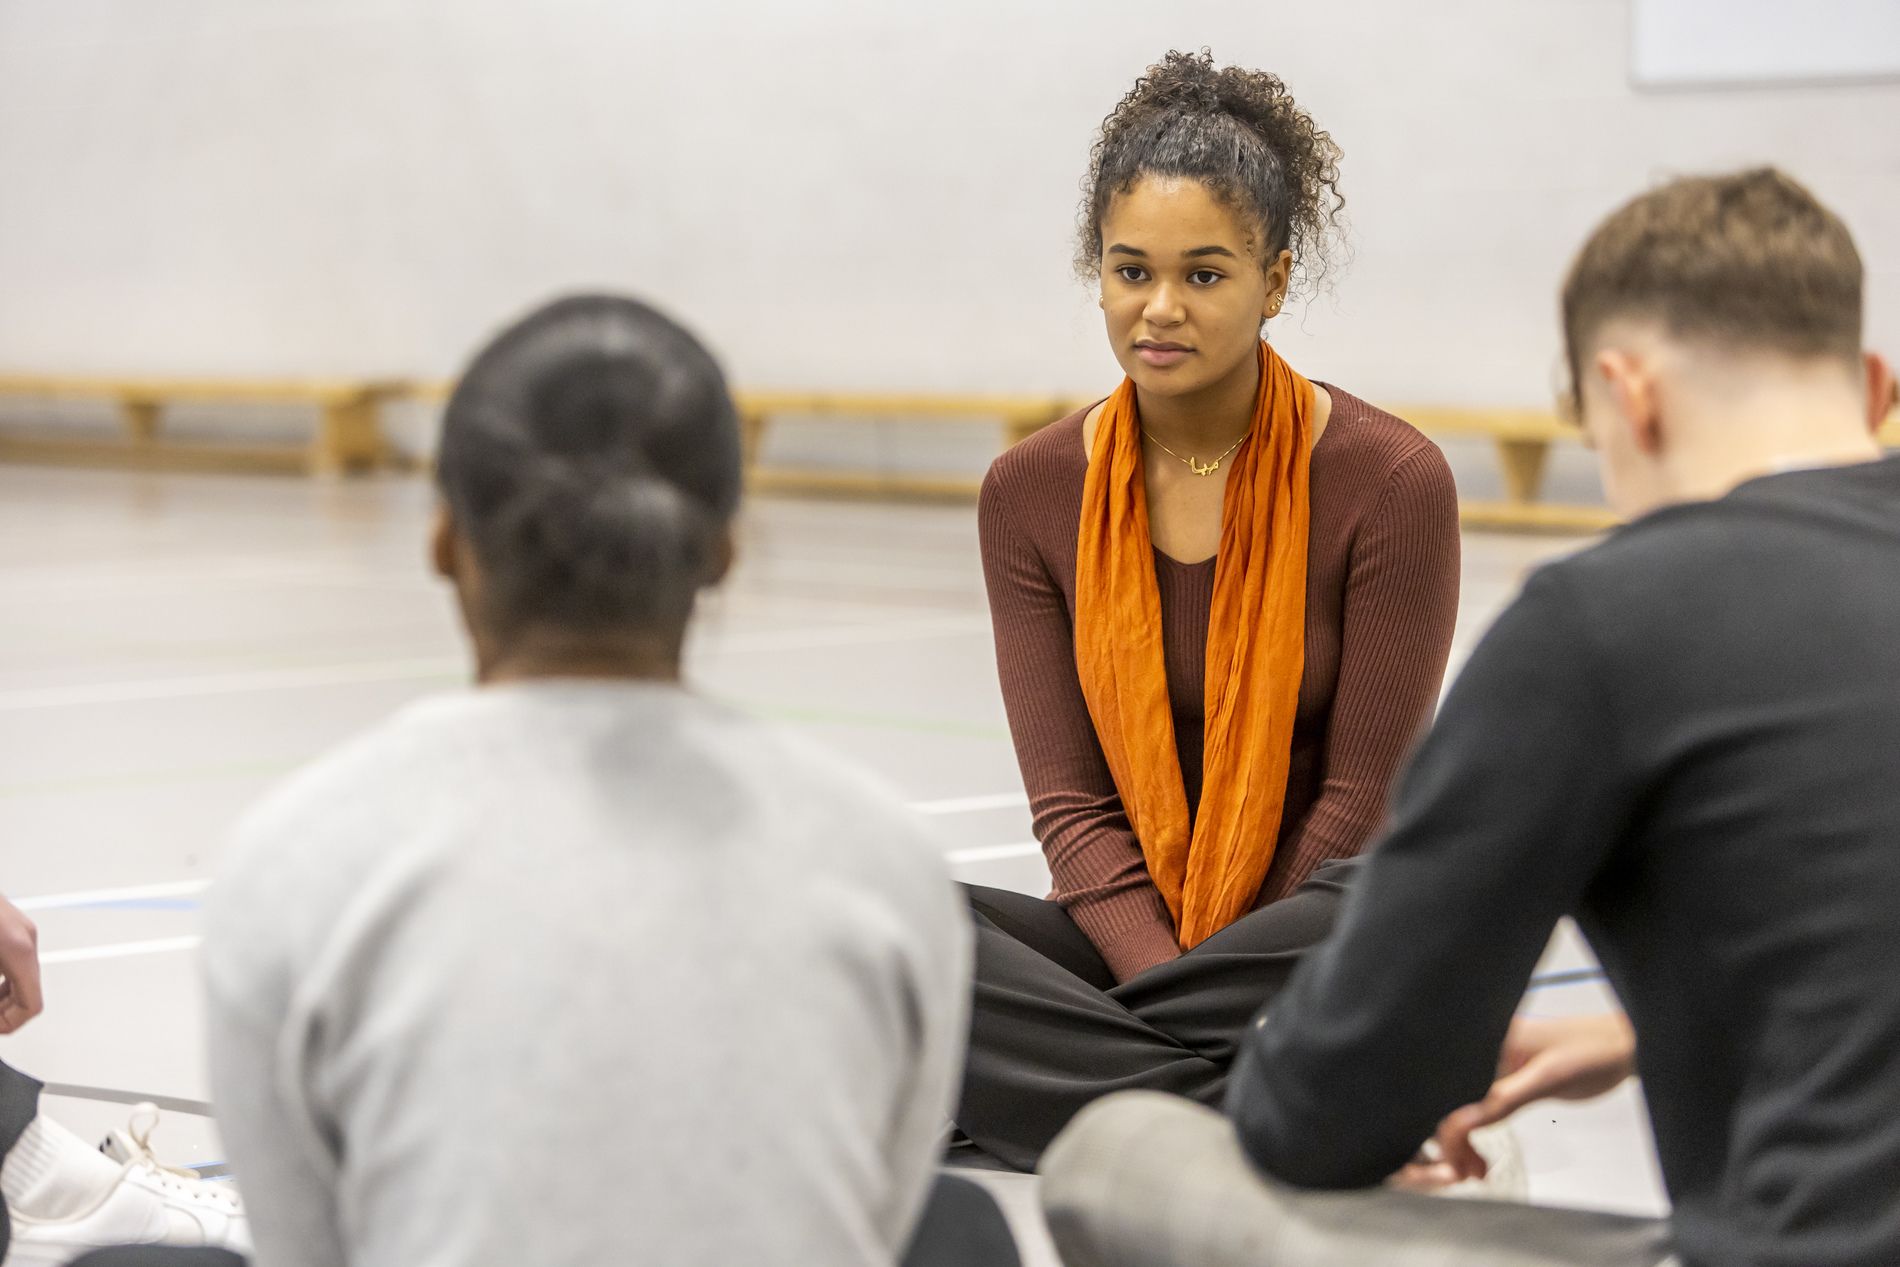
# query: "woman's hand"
{"type": "Point", "coordinates": [19, 968]}
{"type": "Point", "coordinates": [1565, 1058]}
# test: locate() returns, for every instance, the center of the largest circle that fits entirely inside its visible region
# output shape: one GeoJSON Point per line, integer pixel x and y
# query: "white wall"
{"type": "Point", "coordinates": [836, 192]}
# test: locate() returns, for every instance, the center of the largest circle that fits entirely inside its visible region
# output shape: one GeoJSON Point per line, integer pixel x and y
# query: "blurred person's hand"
{"type": "Point", "coordinates": [19, 968]}
{"type": "Point", "coordinates": [1564, 1058]}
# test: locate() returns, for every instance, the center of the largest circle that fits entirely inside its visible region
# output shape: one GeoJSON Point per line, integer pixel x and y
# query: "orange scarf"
{"type": "Point", "coordinates": [1256, 652]}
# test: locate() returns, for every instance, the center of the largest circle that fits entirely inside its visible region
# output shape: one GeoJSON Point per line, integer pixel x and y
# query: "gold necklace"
{"type": "Point", "coordinates": [1190, 463]}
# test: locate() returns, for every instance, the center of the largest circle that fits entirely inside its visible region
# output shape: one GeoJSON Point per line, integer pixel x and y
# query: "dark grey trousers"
{"type": "Point", "coordinates": [1154, 1181]}
{"type": "Point", "coordinates": [1051, 1032]}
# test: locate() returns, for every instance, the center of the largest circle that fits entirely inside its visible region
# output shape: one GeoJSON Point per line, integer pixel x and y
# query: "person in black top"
{"type": "Point", "coordinates": [1687, 737]}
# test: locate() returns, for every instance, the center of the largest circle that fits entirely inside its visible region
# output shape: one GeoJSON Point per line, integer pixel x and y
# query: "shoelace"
{"type": "Point", "coordinates": [140, 1128]}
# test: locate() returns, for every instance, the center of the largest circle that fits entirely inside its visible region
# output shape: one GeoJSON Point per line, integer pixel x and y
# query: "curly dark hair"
{"type": "Point", "coordinates": [1237, 131]}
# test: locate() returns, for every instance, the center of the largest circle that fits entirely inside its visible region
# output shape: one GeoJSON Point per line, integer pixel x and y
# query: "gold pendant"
{"type": "Point", "coordinates": [1198, 469]}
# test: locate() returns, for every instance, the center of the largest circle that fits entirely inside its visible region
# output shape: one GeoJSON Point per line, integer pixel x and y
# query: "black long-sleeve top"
{"type": "Point", "coordinates": [1688, 737]}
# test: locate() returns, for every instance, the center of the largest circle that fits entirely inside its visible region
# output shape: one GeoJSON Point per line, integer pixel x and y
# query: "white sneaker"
{"type": "Point", "coordinates": [151, 1204]}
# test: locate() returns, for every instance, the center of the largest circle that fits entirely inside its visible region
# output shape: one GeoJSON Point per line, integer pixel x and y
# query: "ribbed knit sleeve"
{"type": "Point", "coordinates": [1101, 876]}
{"type": "Point", "coordinates": [1401, 603]}
{"type": "Point", "coordinates": [1382, 598]}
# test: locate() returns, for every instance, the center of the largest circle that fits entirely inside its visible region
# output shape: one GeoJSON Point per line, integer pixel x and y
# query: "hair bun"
{"type": "Point", "coordinates": [602, 535]}
{"type": "Point", "coordinates": [591, 455]}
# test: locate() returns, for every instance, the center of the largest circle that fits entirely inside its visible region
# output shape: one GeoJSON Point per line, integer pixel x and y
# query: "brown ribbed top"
{"type": "Point", "coordinates": [1381, 600]}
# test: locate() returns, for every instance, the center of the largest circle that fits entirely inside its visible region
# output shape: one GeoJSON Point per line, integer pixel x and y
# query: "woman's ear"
{"type": "Point", "coordinates": [445, 546]}
{"type": "Point", "coordinates": [725, 552]}
{"type": "Point", "coordinates": [1279, 280]}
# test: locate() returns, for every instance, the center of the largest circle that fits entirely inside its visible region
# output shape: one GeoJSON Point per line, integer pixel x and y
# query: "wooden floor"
{"type": "Point", "coordinates": [171, 644]}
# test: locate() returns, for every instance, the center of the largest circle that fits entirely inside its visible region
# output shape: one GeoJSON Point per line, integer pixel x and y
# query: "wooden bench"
{"type": "Point", "coordinates": [349, 432]}
{"type": "Point", "coordinates": [350, 437]}
{"type": "Point", "coordinates": [1019, 416]}
{"type": "Point", "coordinates": [1523, 439]}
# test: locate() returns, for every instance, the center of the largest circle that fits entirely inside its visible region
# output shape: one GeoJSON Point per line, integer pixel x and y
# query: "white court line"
{"type": "Point", "coordinates": [839, 636]}
{"type": "Point", "coordinates": [971, 804]}
{"type": "Point", "coordinates": [435, 667]}
{"type": "Point", "coordinates": [780, 569]}
{"type": "Point", "coordinates": [113, 577]}
{"type": "Point", "coordinates": [189, 888]}
{"type": "Point", "coordinates": [227, 683]}
{"type": "Point", "coordinates": [994, 853]}
{"type": "Point", "coordinates": [755, 618]}
{"type": "Point", "coordinates": [93, 897]}
{"type": "Point", "coordinates": [121, 950]}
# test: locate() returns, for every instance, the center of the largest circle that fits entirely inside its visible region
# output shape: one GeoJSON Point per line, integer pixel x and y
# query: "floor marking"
{"type": "Point", "coordinates": [760, 615]}
{"type": "Point", "coordinates": [147, 778]}
{"type": "Point", "coordinates": [132, 894]}
{"type": "Point", "coordinates": [111, 1095]}
{"type": "Point", "coordinates": [121, 950]}
{"type": "Point", "coordinates": [442, 667]}
{"type": "Point", "coordinates": [877, 721]}
{"type": "Point", "coordinates": [272, 769]}
{"type": "Point", "coordinates": [971, 804]}
{"type": "Point", "coordinates": [104, 897]}
{"type": "Point", "coordinates": [230, 683]}
{"type": "Point", "coordinates": [994, 853]}
{"type": "Point", "coordinates": [837, 636]}
{"type": "Point", "coordinates": [148, 904]}
{"type": "Point", "coordinates": [244, 570]}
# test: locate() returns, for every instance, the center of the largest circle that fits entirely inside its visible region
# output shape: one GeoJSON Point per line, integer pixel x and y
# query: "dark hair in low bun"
{"type": "Point", "coordinates": [1237, 131]}
{"type": "Point", "coordinates": [590, 456]}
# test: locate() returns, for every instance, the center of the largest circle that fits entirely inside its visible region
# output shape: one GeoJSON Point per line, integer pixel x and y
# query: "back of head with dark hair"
{"type": "Point", "coordinates": [590, 458]}
{"type": "Point", "coordinates": [1750, 261]}
{"type": "Point", "coordinates": [1240, 133]}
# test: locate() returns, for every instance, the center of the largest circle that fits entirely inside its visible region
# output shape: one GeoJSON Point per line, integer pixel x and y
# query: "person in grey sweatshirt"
{"type": "Point", "coordinates": [578, 967]}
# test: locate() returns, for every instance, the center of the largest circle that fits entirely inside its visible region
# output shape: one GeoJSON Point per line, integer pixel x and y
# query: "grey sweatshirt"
{"type": "Point", "coordinates": [573, 974]}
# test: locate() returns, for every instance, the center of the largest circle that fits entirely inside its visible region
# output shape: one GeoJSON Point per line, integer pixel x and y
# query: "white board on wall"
{"type": "Point", "coordinates": [1694, 43]}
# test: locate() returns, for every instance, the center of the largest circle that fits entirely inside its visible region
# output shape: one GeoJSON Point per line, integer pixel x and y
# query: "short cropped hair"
{"type": "Point", "coordinates": [1750, 262]}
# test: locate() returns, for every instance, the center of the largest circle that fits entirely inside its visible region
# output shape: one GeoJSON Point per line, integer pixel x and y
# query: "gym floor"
{"type": "Point", "coordinates": [172, 644]}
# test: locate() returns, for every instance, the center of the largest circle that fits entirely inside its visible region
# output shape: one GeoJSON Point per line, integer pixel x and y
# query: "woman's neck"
{"type": "Point", "coordinates": [526, 658]}
{"type": "Point", "coordinates": [1206, 420]}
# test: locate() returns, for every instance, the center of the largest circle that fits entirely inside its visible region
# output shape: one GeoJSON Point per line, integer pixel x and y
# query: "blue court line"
{"type": "Point", "coordinates": [1546, 981]}
{"type": "Point", "coordinates": [1574, 976]}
